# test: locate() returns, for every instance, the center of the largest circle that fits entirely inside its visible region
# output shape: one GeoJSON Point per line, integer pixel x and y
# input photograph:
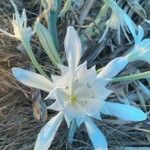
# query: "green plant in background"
{"type": "Point", "coordinates": [19, 24]}
{"type": "Point", "coordinates": [51, 9]}
{"type": "Point", "coordinates": [23, 34]}
{"type": "Point", "coordinates": [47, 42]}
{"type": "Point", "coordinates": [119, 20]}
{"type": "Point", "coordinates": [141, 49]}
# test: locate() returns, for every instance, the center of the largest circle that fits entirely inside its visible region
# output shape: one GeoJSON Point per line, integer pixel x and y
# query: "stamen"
{"type": "Point", "coordinates": [73, 98]}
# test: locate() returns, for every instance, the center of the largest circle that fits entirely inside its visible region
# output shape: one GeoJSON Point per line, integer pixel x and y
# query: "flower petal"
{"type": "Point", "coordinates": [32, 79]}
{"type": "Point", "coordinates": [130, 24]}
{"type": "Point", "coordinates": [113, 68]}
{"type": "Point", "coordinates": [72, 130]}
{"type": "Point", "coordinates": [64, 69]}
{"type": "Point", "coordinates": [47, 133]}
{"type": "Point", "coordinates": [140, 34]}
{"type": "Point", "coordinates": [17, 15]}
{"type": "Point", "coordinates": [125, 112]}
{"type": "Point", "coordinates": [54, 106]}
{"type": "Point", "coordinates": [73, 47]}
{"type": "Point", "coordinates": [96, 136]}
{"type": "Point", "coordinates": [74, 112]}
{"type": "Point", "coordinates": [83, 74]}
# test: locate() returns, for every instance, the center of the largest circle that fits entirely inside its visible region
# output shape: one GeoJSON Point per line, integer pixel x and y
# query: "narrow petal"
{"type": "Point", "coordinates": [96, 136]}
{"type": "Point", "coordinates": [143, 46]}
{"type": "Point", "coordinates": [113, 68]}
{"type": "Point", "coordinates": [47, 133]}
{"type": "Point", "coordinates": [85, 75]}
{"type": "Point", "coordinates": [54, 106]}
{"type": "Point", "coordinates": [74, 112]}
{"type": "Point", "coordinates": [32, 79]}
{"type": "Point", "coordinates": [60, 105]}
{"type": "Point", "coordinates": [59, 95]}
{"type": "Point", "coordinates": [125, 112]}
{"type": "Point", "coordinates": [105, 110]}
{"type": "Point", "coordinates": [64, 69]}
{"type": "Point", "coordinates": [72, 130]}
{"type": "Point", "coordinates": [140, 34]}
{"type": "Point", "coordinates": [24, 18]}
{"type": "Point", "coordinates": [131, 25]}
{"type": "Point", "coordinates": [73, 47]}
{"type": "Point", "coordinates": [16, 10]}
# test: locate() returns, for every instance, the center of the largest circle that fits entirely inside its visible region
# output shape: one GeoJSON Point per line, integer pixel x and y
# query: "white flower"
{"type": "Point", "coordinates": [119, 20]}
{"type": "Point", "coordinates": [141, 49]}
{"type": "Point", "coordinates": [19, 24]}
{"type": "Point", "coordinates": [79, 94]}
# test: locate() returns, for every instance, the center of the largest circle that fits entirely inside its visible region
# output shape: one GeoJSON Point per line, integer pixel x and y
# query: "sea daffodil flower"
{"type": "Point", "coordinates": [141, 49]}
{"type": "Point", "coordinates": [79, 94]}
{"type": "Point", "coordinates": [19, 24]}
{"type": "Point", "coordinates": [118, 20]}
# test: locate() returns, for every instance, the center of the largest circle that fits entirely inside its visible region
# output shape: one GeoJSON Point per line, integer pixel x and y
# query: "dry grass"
{"type": "Point", "coordinates": [20, 118]}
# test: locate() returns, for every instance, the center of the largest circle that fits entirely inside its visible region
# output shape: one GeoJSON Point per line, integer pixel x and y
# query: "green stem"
{"type": "Point", "coordinates": [133, 77]}
{"type": "Point", "coordinates": [26, 43]}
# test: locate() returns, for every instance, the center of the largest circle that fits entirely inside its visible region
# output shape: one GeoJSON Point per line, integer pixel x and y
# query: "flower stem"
{"type": "Point", "coordinates": [136, 76]}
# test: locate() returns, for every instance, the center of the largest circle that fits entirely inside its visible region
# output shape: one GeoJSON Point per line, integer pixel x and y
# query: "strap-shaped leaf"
{"type": "Point", "coordinates": [47, 42]}
{"type": "Point", "coordinates": [132, 77]}
{"type": "Point", "coordinates": [26, 43]}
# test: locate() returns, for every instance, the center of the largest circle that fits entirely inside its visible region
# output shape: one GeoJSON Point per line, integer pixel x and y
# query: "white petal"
{"type": "Point", "coordinates": [74, 112]}
{"type": "Point", "coordinates": [32, 79]}
{"type": "Point", "coordinates": [113, 68]}
{"type": "Point", "coordinates": [125, 112]}
{"type": "Point", "coordinates": [24, 18]}
{"type": "Point", "coordinates": [145, 58]}
{"type": "Point", "coordinates": [143, 46]}
{"type": "Point", "coordinates": [73, 47]}
{"type": "Point", "coordinates": [59, 95]}
{"type": "Point", "coordinates": [140, 34]}
{"type": "Point", "coordinates": [62, 81]}
{"type": "Point", "coordinates": [96, 136]}
{"type": "Point", "coordinates": [99, 89]}
{"type": "Point", "coordinates": [62, 104]}
{"type": "Point", "coordinates": [64, 69]}
{"type": "Point", "coordinates": [47, 133]}
{"type": "Point", "coordinates": [55, 78]}
{"type": "Point", "coordinates": [72, 130]}
{"type": "Point", "coordinates": [54, 106]}
{"type": "Point", "coordinates": [85, 75]}
{"type": "Point", "coordinates": [130, 24]}
{"type": "Point", "coordinates": [105, 110]}
{"type": "Point", "coordinates": [16, 10]}
{"type": "Point", "coordinates": [148, 21]}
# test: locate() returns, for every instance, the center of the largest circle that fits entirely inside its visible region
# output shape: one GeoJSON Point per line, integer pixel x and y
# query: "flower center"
{"type": "Point", "coordinates": [73, 98]}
